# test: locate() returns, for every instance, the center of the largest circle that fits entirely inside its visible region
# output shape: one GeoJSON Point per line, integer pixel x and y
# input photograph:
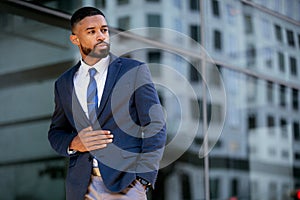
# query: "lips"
{"type": "Point", "coordinates": [101, 46]}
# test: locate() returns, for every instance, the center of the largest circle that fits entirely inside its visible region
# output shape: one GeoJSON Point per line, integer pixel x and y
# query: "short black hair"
{"type": "Point", "coordinates": [83, 12]}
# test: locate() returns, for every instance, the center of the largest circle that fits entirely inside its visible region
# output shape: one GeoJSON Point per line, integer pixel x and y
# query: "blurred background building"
{"type": "Point", "coordinates": [254, 46]}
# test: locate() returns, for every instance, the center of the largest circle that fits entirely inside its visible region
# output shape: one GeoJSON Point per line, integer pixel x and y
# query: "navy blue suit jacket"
{"type": "Point", "coordinates": [130, 109]}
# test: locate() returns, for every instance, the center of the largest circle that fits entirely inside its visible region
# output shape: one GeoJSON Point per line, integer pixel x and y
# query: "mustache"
{"type": "Point", "coordinates": [102, 42]}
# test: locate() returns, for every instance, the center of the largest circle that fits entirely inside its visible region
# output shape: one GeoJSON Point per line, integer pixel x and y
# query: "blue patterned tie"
{"type": "Point", "coordinates": [92, 96]}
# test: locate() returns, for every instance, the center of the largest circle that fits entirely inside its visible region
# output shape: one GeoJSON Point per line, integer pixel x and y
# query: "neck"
{"type": "Point", "coordinates": [91, 60]}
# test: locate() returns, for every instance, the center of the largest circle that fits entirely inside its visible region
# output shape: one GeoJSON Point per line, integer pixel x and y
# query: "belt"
{"type": "Point", "coordinates": [96, 171]}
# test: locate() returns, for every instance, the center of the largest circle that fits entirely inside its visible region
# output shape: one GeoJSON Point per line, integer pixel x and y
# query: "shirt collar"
{"type": "Point", "coordinates": [100, 66]}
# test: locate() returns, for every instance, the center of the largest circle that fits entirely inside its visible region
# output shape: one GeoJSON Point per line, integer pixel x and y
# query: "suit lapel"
{"type": "Point", "coordinates": [76, 113]}
{"type": "Point", "coordinates": [113, 70]}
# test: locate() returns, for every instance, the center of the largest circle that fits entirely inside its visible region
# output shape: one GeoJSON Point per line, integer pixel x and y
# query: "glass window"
{"type": "Point", "coordinates": [281, 62]}
{"type": "Point", "coordinates": [194, 5]}
{"type": "Point", "coordinates": [217, 109]}
{"type": "Point", "coordinates": [295, 99]}
{"type": "Point", "coordinates": [195, 33]}
{"type": "Point", "coordinates": [194, 105]}
{"type": "Point", "coordinates": [248, 24]}
{"type": "Point", "coordinates": [268, 55]}
{"type": "Point", "coordinates": [252, 86]}
{"type": "Point", "coordinates": [290, 38]}
{"type": "Point", "coordinates": [35, 54]}
{"type": "Point", "coordinates": [299, 39]}
{"type": "Point", "coordinates": [232, 45]}
{"type": "Point", "coordinates": [270, 92]}
{"type": "Point", "coordinates": [234, 187]}
{"type": "Point", "coordinates": [153, 20]}
{"type": "Point", "coordinates": [208, 110]}
{"type": "Point", "coordinates": [273, 191]}
{"type": "Point", "coordinates": [124, 23]}
{"type": "Point", "coordinates": [282, 93]}
{"type": "Point", "coordinates": [252, 122]}
{"type": "Point", "coordinates": [100, 4]}
{"type": "Point", "coordinates": [217, 40]}
{"type": "Point", "coordinates": [214, 188]}
{"type": "Point", "coordinates": [293, 66]}
{"type": "Point", "coordinates": [270, 121]}
{"type": "Point", "coordinates": [263, 97]}
{"type": "Point", "coordinates": [278, 33]}
{"type": "Point", "coordinates": [215, 8]}
{"type": "Point", "coordinates": [195, 75]}
{"type": "Point", "coordinates": [185, 186]}
{"type": "Point", "coordinates": [255, 189]}
{"type": "Point", "coordinates": [297, 156]}
{"type": "Point", "coordinates": [283, 127]}
{"type": "Point", "coordinates": [284, 194]}
{"type": "Point", "coordinates": [296, 130]}
{"type": "Point", "coordinates": [154, 59]}
{"type": "Point", "coordinates": [285, 154]}
{"type": "Point", "coordinates": [67, 6]}
{"type": "Point", "coordinates": [251, 55]}
{"type": "Point", "coordinates": [122, 2]}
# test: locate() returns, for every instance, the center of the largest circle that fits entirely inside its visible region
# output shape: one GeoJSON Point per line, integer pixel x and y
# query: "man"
{"type": "Point", "coordinates": [107, 118]}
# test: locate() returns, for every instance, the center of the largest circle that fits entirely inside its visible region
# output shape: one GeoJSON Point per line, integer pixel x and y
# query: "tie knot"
{"type": "Point", "coordinates": [92, 72]}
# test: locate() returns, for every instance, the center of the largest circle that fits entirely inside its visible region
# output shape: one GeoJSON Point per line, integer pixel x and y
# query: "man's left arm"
{"type": "Point", "coordinates": [151, 118]}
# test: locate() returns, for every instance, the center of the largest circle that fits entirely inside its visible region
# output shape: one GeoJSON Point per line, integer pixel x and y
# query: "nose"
{"type": "Point", "coordinates": [100, 36]}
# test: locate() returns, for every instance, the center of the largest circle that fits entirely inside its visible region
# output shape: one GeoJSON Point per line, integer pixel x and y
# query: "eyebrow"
{"type": "Point", "coordinates": [91, 28]}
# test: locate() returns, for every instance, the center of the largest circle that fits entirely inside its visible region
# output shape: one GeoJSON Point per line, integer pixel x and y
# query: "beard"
{"type": "Point", "coordinates": [95, 53]}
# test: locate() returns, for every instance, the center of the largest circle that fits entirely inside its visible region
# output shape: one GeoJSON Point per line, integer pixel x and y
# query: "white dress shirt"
{"type": "Point", "coordinates": [81, 81]}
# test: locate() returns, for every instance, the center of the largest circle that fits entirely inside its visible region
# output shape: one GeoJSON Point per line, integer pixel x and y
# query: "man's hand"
{"type": "Point", "coordinates": [88, 140]}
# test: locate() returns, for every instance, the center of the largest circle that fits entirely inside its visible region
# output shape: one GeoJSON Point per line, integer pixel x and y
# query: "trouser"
{"type": "Point", "coordinates": [98, 191]}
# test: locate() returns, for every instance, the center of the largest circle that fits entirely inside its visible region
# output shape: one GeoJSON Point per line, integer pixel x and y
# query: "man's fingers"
{"type": "Point", "coordinates": [87, 129]}
{"type": "Point", "coordinates": [96, 135]}
{"type": "Point", "coordinates": [93, 145]}
{"type": "Point", "coordinates": [88, 138]}
{"type": "Point", "coordinates": [90, 132]}
{"type": "Point", "coordinates": [94, 139]}
{"type": "Point", "coordinates": [97, 140]}
{"type": "Point", "coordinates": [98, 146]}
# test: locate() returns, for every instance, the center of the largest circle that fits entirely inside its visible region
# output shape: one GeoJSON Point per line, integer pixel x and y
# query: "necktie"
{"type": "Point", "coordinates": [92, 103]}
{"type": "Point", "coordinates": [92, 96]}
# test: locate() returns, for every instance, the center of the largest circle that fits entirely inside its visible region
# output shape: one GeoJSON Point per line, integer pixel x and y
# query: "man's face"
{"type": "Point", "coordinates": [92, 37]}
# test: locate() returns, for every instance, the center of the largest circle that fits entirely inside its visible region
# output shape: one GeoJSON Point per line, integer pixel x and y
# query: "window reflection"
{"type": "Point", "coordinates": [258, 153]}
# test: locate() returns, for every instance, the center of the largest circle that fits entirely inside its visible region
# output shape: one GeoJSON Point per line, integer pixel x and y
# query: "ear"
{"type": "Point", "coordinates": [74, 39]}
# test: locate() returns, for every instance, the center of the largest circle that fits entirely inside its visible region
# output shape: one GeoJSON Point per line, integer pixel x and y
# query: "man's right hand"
{"type": "Point", "coordinates": [89, 140]}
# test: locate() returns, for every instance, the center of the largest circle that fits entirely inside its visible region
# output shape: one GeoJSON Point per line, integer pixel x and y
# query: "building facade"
{"type": "Point", "coordinates": [227, 73]}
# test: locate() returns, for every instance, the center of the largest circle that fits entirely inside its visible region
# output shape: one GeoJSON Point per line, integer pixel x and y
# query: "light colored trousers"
{"type": "Point", "coordinates": [98, 191]}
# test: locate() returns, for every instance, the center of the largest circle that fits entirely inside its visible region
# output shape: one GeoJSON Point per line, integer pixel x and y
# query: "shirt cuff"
{"type": "Point", "coordinates": [71, 152]}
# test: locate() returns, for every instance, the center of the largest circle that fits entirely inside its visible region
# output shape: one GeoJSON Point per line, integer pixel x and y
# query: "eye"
{"type": "Point", "coordinates": [104, 30]}
{"type": "Point", "coordinates": [91, 32]}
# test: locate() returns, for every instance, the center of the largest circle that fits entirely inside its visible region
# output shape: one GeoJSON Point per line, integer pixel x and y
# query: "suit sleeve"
{"type": "Point", "coordinates": [152, 121]}
{"type": "Point", "coordinates": [61, 132]}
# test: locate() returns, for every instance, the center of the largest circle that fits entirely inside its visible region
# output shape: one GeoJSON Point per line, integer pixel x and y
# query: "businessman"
{"type": "Point", "coordinates": [107, 119]}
